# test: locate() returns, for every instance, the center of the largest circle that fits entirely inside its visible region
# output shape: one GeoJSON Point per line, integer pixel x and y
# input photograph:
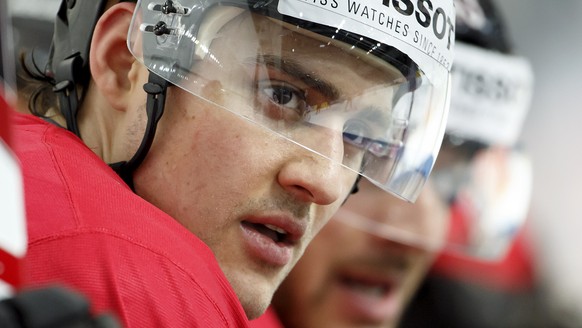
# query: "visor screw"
{"type": "Point", "coordinates": [168, 8]}
{"type": "Point", "coordinates": [161, 28]}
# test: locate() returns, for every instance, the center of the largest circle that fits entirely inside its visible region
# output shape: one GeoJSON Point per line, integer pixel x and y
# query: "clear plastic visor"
{"type": "Point", "coordinates": [386, 114]}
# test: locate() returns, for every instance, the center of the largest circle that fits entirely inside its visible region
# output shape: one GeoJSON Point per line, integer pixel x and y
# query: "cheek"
{"type": "Point", "coordinates": [323, 251]}
{"type": "Point", "coordinates": [190, 151]}
{"type": "Point", "coordinates": [204, 162]}
{"type": "Point", "coordinates": [420, 264]}
{"type": "Point", "coordinates": [201, 142]}
{"type": "Point", "coordinates": [309, 279]}
{"type": "Point", "coordinates": [322, 218]}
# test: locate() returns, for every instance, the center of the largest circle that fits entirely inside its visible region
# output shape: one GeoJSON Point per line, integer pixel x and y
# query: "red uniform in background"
{"type": "Point", "coordinates": [12, 221]}
{"type": "Point", "coordinates": [91, 232]}
{"type": "Point", "coordinates": [514, 272]}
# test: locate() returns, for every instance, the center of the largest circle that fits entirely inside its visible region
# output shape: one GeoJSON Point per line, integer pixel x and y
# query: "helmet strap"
{"type": "Point", "coordinates": [355, 187]}
{"type": "Point", "coordinates": [156, 89]}
{"type": "Point", "coordinates": [66, 90]}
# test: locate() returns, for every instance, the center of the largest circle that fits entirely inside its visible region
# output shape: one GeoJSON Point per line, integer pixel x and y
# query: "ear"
{"type": "Point", "coordinates": [110, 59]}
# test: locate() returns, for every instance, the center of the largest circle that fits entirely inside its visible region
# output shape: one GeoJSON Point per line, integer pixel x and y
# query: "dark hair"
{"type": "Point", "coordinates": [38, 90]}
{"type": "Point", "coordinates": [65, 59]}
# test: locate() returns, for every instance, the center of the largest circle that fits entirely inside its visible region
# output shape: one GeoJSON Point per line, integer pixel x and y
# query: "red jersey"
{"type": "Point", "coordinates": [89, 231]}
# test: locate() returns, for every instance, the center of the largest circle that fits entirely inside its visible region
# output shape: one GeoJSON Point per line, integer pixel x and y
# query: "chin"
{"type": "Point", "coordinates": [255, 300]}
{"type": "Point", "coordinates": [254, 293]}
{"type": "Point", "coordinates": [254, 308]}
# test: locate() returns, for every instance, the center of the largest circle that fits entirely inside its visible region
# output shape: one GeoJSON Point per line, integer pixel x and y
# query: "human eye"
{"type": "Point", "coordinates": [354, 133]}
{"type": "Point", "coordinates": [355, 142]}
{"type": "Point", "coordinates": [382, 149]}
{"type": "Point", "coordinates": [282, 100]}
{"type": "Point", "coordinates": [360, 134]}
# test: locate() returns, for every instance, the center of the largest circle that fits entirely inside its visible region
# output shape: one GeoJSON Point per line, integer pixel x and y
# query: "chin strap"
{"type": "Point", "coordinates": [66, 90]}
{"type": "Point", "coordinates": [355, 187]}
{"type": "Point", "coordinates": [156, 90]}
{"type": "Point", "coordinates": [354, 190]}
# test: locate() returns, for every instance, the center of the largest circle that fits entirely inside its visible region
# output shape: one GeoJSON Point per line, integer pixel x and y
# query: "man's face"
{"type": "Point", "coordinates": [351, 278]}
{"type": "Point", "coordinates": [255, 198]}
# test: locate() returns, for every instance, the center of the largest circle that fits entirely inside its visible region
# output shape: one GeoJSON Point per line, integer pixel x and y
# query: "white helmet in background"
{"type": "Point", "coordinates": [481, 171]}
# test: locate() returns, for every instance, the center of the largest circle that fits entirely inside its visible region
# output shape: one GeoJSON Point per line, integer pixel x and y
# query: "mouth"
{"type": "Point", "coordinates": [370, 297]}
{"type": "Point", "coordinates": [272, 240]}
{"type": "Point", "coordinates": [369, 286]}
{"type": "Point", "coordinates": [277, 234]}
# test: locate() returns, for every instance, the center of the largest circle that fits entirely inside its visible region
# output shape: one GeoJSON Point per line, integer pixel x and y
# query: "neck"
{"type": "Point", "coordinates": [101, 127]}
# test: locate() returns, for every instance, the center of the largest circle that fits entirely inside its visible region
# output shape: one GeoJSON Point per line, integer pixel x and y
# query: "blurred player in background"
{"type": "Point", "coordinates": [364, 266]}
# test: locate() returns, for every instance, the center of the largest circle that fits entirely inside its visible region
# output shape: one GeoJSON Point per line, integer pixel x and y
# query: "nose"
{"type": "Point", "coordinates": [311, 177]}
{"type": "Point", "coordinates": [419, 224]}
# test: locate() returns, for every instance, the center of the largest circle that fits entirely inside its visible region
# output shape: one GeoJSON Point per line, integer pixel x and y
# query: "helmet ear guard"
{"type": "Point", "coordinates": [68, 61]}
{"type": "Point", "coordinates": [66, 67]}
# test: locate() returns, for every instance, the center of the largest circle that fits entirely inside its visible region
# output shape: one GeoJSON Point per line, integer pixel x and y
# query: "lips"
{"type": "Point", "coordinates": [369, 297]}
{"type": "Point", "coordinates": [271, 239]}
{"type": "Point", "coordinates": [371, 287]}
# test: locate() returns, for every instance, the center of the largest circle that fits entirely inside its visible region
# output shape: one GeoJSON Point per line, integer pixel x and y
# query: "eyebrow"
{"type": "Point", "coordinates": [298, 71]}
